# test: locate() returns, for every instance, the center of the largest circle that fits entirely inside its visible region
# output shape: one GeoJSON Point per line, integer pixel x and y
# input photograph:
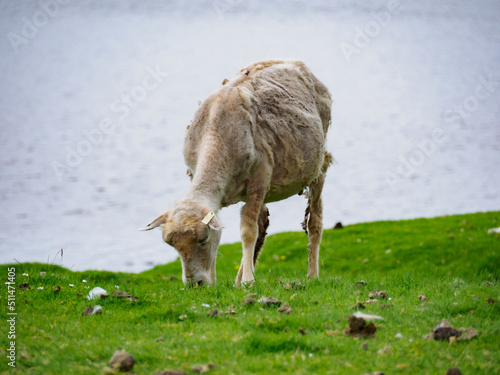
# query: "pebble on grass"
{"type": "Point", "coordinates": [24, 286]}
{"type": "Point", "coordinates": [97, 309]}
{"type": "Point", "coordinates": [296, 285]}
{"type": "Point", "coordinates": [171, 372]}
{"type": "Point", "coordinates": [169, 278]}
{"type": "Point", "coordinates": [358, 305]}
{"type": "Point", "coordinates": [378, 294]}
{"type": "Point", "coordinates": [421, 297]}
{"type": "Point", "coordinates": [122, 361]}
{"type": "Point", "coordinates": [214, 312]}
{"type": "Point", "coordinates": [453, 371]}
{"type": "Point", "coordinates": [285, 309]}
{"type": "Point", "coordinates": [200, 369]}
{"type": "Point", "coordinates": [269, 301]}
{"type": "Point", "coordinates": [249, 301]}
{"type": "Point", "coordinates": [122, 294]}
{"type": "Point", "coordinates": [384, 350]}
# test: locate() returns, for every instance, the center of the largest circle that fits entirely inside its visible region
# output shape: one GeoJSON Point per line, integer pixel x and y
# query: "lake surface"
{"type": "Point", "coordinates": [96, 99]}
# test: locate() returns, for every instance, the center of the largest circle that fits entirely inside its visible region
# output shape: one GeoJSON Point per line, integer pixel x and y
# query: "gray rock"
{"type": "Point", "coordinates": [122, 361]}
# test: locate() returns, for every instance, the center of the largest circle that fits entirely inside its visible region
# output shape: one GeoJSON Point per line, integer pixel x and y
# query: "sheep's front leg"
{"type": "Point", "coordinates": [249, 233]}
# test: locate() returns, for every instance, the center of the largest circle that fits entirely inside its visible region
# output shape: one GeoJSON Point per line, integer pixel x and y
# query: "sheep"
{"type": "Point", "coordinates": [259, 138]}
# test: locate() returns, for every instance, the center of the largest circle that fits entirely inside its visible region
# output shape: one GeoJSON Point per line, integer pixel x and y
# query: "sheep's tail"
{"type": "Point", "coordinates": [327, 161]}
{"type": "Point", "coordinates": [263, 224]}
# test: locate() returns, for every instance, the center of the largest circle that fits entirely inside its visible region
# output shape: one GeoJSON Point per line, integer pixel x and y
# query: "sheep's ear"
{"type": "Point", "coordinates": [215, 224]}
{"type": "Point", "coordinates": [160, 220]}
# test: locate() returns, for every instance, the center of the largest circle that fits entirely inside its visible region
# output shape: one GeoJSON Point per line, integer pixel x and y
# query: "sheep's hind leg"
{"type": "Point", "coordinates": [314, 222]}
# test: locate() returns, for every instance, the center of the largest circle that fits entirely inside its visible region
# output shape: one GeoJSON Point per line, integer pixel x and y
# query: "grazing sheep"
{"type": "Point", "coordinates": [259, 138]}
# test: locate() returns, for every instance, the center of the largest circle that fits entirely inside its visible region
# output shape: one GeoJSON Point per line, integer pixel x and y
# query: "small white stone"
{"type": "Point", "coordinates": [96, 293]}
{"type": "Point", "coordinates": [359, 314]}
{"type": "Point", "coordinates": [398, 335]}
{"type": "Point", "coordinates": [40, 288]}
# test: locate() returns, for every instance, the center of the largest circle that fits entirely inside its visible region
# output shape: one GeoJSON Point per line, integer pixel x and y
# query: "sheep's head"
{"type": "Point", "coordinates": [194, 231]}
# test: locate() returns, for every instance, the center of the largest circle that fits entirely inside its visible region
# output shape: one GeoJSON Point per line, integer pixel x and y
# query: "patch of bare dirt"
{"type": "Point", "coordinates": [359, 328]}
{"type": "Point", "coordinates": [444, 331]}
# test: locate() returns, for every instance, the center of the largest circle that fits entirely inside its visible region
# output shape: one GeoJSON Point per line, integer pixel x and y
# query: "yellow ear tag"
{"type": "Point", "coordinates": [208, 218]}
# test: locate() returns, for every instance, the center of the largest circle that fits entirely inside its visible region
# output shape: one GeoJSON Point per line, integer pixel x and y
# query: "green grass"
{"type": "Point", "coordinates": [457, 275]}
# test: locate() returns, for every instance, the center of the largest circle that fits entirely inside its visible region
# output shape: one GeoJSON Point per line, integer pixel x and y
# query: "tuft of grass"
{"type": "Point", "coordinates": [452, 260]}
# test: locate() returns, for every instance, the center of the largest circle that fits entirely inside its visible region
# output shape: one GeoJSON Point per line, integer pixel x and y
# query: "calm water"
{"type": "Point", "coordinates": [95, 101]}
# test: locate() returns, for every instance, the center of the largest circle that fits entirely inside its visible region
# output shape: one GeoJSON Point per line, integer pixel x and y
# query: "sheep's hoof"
{"type": "Point", "coordinates": [311, 276]}
{"type": "Point", "coordinates": [244, 284]}
{"type": "Point", "coordinates": [248, 284]}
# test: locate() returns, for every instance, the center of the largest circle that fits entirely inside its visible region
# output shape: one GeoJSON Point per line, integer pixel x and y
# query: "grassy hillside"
{"type": "Point", "coordinates": [451, 260]}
